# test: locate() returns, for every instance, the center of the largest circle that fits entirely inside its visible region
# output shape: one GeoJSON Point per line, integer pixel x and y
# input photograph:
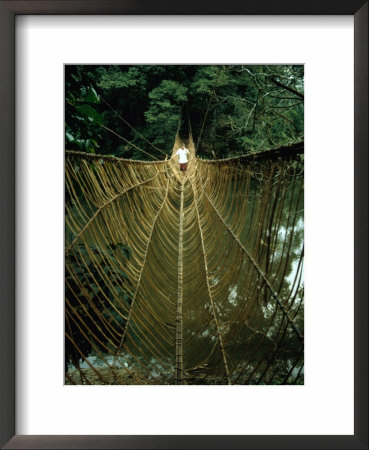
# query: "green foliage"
{"type": "Point", "coordinates": [82, 120]}
{"type": "Point", "coordinates": [237, 109]}
{"type": "Point", "coordinates": [164, 110]}
{"type": "Point", "coordinates": [115, 78]}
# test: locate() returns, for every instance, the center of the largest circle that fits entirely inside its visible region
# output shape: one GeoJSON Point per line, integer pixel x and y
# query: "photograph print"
{"type": "Point", "coordinates": [184, 224]}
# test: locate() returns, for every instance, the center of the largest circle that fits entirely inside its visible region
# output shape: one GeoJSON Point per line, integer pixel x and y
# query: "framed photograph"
{"type": "Point", "coordinates": [167, 169]}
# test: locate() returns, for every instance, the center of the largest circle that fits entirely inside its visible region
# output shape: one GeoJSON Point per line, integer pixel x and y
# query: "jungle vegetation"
{"type": "Point", "coordinates": [233, 109]}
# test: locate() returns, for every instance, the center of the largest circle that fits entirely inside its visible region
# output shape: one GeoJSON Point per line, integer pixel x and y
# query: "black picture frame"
{"type": "Point", "coordinates": [8, 12]}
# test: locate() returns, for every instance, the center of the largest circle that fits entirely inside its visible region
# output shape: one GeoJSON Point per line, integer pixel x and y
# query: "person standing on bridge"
{"type": "Point", "coordinates": [183, 154]}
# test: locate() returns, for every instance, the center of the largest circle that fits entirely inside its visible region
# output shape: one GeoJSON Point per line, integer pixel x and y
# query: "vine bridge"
{"type": "Point", "coordinates": [189, 277]}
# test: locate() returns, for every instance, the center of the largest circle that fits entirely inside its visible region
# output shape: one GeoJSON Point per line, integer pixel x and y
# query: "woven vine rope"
{"type": "Point", "coordinates": [184, 278]}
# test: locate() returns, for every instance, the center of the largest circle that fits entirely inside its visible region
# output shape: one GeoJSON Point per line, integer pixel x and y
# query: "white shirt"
{"type": "Point", "coordinates": [182, 153]}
